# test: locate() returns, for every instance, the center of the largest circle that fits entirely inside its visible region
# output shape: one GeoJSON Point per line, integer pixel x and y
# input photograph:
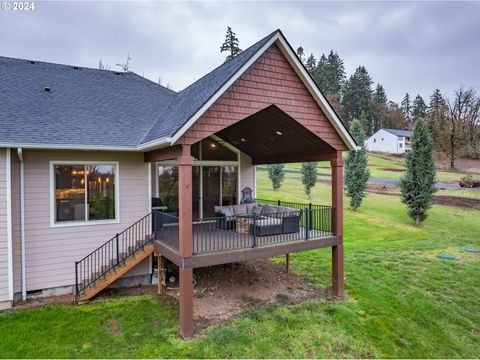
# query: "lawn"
{"type": "Point", "coordinates": [402, 300]}
{"type": "Point", "coordinates": [387, 167]}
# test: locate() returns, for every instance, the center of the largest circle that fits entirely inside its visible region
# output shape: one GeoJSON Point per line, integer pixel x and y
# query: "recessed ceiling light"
{"type": "Point", "coordinates": [243, 140]}
{"type": "Point", "coordinates": [213, 145]}
{"type": "Point", "coordinates": [278, 132]}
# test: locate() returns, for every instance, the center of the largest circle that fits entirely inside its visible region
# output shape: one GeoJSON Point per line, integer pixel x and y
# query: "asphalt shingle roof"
{"type": "Point", "coordinates": [84, 106]}
{"type": "Point", "coordinates": [403, 133]}
{"type": "Point", "coordinates": [192, 98]}
{"type": "Point", "coordinates": [89, 107]}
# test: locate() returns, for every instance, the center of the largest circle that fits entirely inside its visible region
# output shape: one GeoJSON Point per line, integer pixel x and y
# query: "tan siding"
{"type": "Point", "coordinates": [51, 252]}
{"type": "Point", "coordinates": [247, 173]}
{"type": "Point", "coordinates": [3, 229]}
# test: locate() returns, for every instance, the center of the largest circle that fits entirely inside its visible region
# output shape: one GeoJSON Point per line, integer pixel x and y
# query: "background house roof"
{"type": "Point", "coordinates": [403, 133]}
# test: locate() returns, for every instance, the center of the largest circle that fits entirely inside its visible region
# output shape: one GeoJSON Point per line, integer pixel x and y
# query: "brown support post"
{"type": "Point", "coordinates": [337, 203]}
{"type": "Point", "coordinates": [185, 238]}
{"type": "Point", "coordinates": [186, 303]}
{"type": "Point", "coordinates": [287, 263]}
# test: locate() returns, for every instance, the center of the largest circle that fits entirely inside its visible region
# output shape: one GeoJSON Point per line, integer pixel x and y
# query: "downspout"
{"type": "Point", "coordinates": [22, 222]}
{"type": "Point", "coordinates": [9, 223]}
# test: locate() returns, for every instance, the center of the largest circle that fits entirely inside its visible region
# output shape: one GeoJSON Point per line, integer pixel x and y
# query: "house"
{"type": "Point", "coordinates": [102, 170]}
{"type": "Point", "coordinates": [390, 141]}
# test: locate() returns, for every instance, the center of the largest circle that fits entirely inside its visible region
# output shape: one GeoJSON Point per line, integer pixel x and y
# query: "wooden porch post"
{"type": "Point", "coordinates": [185, 240]}
{"type": "Point", "coordinates": [337, 203]}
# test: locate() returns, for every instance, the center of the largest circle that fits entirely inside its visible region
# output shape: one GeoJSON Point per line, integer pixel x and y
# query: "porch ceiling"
{"type": "Point", "coordinates": [272, 136]}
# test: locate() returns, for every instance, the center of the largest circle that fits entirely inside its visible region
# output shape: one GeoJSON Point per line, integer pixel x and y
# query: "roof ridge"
{"type": "Point", "coordinates": [172, 105]}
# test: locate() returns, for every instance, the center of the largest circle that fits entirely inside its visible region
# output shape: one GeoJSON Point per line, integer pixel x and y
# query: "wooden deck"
{"type": "Point", "coordinates": [213, 246]}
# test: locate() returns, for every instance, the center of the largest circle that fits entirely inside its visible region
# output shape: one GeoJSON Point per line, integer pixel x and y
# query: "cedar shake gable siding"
{"type": "Point", "coordinates": [270, 80]}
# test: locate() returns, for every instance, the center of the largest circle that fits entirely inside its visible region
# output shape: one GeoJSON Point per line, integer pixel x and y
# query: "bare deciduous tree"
{"type": "Point", "coordinates": [463, 116]}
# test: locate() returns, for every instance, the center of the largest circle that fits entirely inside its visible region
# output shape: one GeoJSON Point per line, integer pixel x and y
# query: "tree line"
{"type": "Point", "coordinates": [454, 123]}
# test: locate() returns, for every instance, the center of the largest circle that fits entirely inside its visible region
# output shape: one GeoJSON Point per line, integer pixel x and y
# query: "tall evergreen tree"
{"type": "Point", "coordinates": [357, 96]}
{"type": "Point", "coordinates": [418, 183]}
{"type": "Point", "coordinates": [437, 119]}
{"type": "Point", "coordinates": [300, 53]}
{"type": "Point", "coordinates": [419, 108]}
{"type": "Point", "coordinates": [320, 75]}
{"type": "Point", "coordinates": [380, 110]}
{"type": "Point", "coordinates": [310, 64]}
{"type": "Point", "coordinates": [276, 173]}
{"type": "Point", "coordinates": [356, 170]}
{"type": "Point", "coordinates": [230, 45]}
{"type": "Point", "coordinates": [335, 75]}
{"type": "Point", "coordinates": [309, 176]}
{"type": "Point", "coordinates": [407, 111]}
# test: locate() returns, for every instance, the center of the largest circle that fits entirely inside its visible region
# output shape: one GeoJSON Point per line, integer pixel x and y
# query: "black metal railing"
{"type": "Point", "coordinates": [320, 219]}
{"type": "Point", "coordinates": [166, 228]}
{"type": "Point", "coordinates": [223, 233]}
{"type": "Point", "coordinates": [113, 253]}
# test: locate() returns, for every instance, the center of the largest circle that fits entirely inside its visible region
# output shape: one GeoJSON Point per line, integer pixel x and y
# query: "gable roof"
{"type": "Point", "coordinates": [192, 98]}
{"type": "Point", "coordinates": [88, 108]}
{"type": "Point", "coordinates": [402, 133]}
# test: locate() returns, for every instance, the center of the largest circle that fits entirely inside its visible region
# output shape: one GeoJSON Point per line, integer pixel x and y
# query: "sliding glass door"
{"type": "Point", "coordinates": [211, 186]}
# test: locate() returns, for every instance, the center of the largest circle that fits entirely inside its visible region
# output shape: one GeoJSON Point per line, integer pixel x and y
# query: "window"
{"type": "Point", "coordinates": [374, 140]}
{"type": "Point", "coordinates": [400, 145]}
{"type": "Point", "coordinates": [84, 192]}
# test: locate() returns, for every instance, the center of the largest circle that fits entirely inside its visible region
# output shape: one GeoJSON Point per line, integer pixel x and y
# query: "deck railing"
{"type": "Point", "coordinates": [299, 222]}
{"type": "Point", "coordinates": [112, 253]}
{"type": "Point", "coordinates": [320, 219]}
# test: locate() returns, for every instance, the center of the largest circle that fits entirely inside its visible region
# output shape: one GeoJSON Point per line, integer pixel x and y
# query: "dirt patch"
{"type": "Point", "coordinates": [114, 327]}
{"type": "Point", "coordinates": [223, 292]}
{"type": "Point", "coordinates": [392, 169]}
{"type": "Point", "coordinates": [462, 165]}
{"type": "Point", "coordinates": [457, 201]}
{"type": "Point", "coordinates": [43, 301]}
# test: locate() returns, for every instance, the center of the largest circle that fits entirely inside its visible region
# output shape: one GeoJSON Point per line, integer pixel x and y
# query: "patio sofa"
{"type": "Point", "coordinates": [271, 220]}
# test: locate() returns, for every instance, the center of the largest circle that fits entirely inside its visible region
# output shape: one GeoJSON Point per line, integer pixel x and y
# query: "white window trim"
{"type": "Point", "coordinates": [54, 224]}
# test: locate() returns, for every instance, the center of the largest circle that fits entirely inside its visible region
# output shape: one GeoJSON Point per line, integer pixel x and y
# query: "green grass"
{"type": "Point", "coordinates": [402, 300]}
{"type": "Point", "coordinates": [387, 167]}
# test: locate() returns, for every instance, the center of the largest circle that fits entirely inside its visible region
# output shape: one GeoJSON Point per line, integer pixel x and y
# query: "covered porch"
{"type": "Point", "coordinates": [192, 241]}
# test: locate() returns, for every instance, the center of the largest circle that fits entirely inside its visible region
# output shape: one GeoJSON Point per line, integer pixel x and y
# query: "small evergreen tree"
{"type": "Point", "coordinates": [418, 183]}
{"type": "Point", "coordinates": [407, 111]}
{"type": "Point", "coordinates": [309, 176]}
{"type": "Point", "coordinates": [230, 45]}
{"type": "Point", "coordinates": [356, 170]}
{"type": "Point", "coordinates": [276, 173]}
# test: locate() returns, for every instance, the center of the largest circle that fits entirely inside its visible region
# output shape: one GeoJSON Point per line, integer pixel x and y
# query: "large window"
{"type": "Point", "coordinates": [84, 192]}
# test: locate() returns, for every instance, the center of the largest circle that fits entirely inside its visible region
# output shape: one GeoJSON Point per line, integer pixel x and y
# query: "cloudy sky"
{"type": "Point", "coordinates": [410, 47]}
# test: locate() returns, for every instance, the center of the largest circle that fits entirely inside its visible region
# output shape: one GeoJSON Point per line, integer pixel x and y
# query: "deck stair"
{"type": "Point", "coordinates": [113, 259]}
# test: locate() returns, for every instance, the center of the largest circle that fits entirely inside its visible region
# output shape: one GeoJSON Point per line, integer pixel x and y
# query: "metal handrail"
{"type": "Point", "coordinates": [107, 256]}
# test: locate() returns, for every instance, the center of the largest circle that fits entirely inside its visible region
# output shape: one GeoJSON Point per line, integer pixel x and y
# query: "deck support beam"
{"type": "Point", "coordinates": [186, 303]}
{"type": "Point", "coordinates": [185, 239]}
{"type": "Point", "coordinates": [337, 203]}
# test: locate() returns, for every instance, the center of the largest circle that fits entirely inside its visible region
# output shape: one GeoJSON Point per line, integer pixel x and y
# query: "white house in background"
{"type": "Point", "coordinates": [390, 141]}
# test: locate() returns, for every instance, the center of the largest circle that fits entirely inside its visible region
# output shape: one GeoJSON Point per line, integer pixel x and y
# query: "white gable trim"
{"type": "Point", "coordinates": [224, 88]}
{"type": "Point", "coordinates": [317, 95]}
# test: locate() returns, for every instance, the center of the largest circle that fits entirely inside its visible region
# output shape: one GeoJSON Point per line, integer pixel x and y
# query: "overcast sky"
{"type": "Point", "coordinates": [410, 47]}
